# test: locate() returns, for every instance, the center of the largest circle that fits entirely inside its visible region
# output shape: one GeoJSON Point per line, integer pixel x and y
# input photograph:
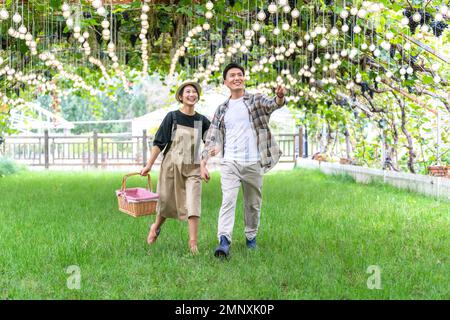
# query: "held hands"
{"type": "Point", "coordinates": [204, 173]}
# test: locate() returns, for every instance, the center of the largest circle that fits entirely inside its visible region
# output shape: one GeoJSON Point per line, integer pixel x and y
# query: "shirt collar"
{"type": "Point", "coordinates": [246, 96]}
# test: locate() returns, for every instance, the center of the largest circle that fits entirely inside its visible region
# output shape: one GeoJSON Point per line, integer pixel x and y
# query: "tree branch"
{"type": "Point", "coordinates": [410, 97]}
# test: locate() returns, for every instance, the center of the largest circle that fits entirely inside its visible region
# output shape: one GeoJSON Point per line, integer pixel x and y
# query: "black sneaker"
{"type": "Point", "coordinates": [251, 244]}
{"type": "Point", "coordinates": [223, 250]}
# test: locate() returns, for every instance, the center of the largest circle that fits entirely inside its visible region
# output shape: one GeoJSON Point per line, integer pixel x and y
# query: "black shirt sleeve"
{"type": "Point", "coordinates": [164, 134]}
{"type": "Point", "coordinates": [205, 127]}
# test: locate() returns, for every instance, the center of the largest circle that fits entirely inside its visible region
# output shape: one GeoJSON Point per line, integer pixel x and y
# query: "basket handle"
{"type": "Point", "coordinates": [125, 177]}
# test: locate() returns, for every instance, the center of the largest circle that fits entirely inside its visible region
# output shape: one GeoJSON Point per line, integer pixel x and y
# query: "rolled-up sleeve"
{"type": "Point", "coordinates": [164, 134]}
{"type": "Point", "coordinates": [269, 105]}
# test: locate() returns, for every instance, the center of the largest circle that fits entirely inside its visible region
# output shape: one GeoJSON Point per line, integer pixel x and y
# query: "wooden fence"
{"type": "Point", "coordinates": [102, 150]}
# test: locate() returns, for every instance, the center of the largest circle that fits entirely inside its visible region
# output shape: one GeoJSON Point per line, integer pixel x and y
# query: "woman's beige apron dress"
{"type": "Point", "coordinates": [179, 183]}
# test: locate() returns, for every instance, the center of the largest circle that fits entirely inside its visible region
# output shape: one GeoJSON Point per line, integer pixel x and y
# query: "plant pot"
{"type": "Point", "coordinates": [438, 171]}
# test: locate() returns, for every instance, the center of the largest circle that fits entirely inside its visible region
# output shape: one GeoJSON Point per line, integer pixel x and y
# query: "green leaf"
{"type": "Point", "coordinates": [427, 79]}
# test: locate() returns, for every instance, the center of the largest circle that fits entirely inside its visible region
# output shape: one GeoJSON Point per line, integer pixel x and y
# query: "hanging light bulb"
{"type": "Point", "coordinates": [323, 42]}
{"type": "Point", "coordinates": [353, 11]}
{"type": "Point", "coordinates": [417, 17]}
{"type": "Point", "coordinates": [261, 15]}
{"type": "Point", "coordinates": [208, 14]}
{"type": "Point", "coordinates": [101, 11]}
{"type": "Point", "coordinates": [4, 14]}
{"type": "Point", "coordinates": [424, 28]}
{"type": "Point", "coordinates": [17, 18]}
{"type": "Point", "coordinates": [106, 33]}
{"type": "Point", "coordinates": [435, 67]}
{"type": "Point", "coordinates": [334, 31]}
{"type": "Point", "coordinates": [23, 29]}
{"type": "Point", "coordinates": [105, 24]}
{"type": "Point", "coordinates": [70, 22]}
{"type": "Point", "coordinates": [285, 26]}
{"type": "Point", "coordinates": [262, 40]}
{"type": "Point", "coordinates": [437, 79]}
{"type": "Point", "coordinates": [65, 7]}
{"type": "Point", "coordinates": [364, 46]}
{"type": "Point", "coordinates": [256, 27]}
{"type": "Point", "coordinates": [286, 9]}
{"type": "Point", "coordinates": [407, 46]}
{"type": "Point", "coordinates": [385, 45]}
{"type": "Point", "coordinates": [311, 47]}
{"type": "Point", "coordinates": [295, 13]}
{"type": "Point", "coordinates": [276, 31]}
{"type": "Point", "coordinates": [344, 14]}
{"type": "Point", "coordinates": [97, 4]}
{"type": "Point", "coordinates": [362, 13]}
{"type": "Point", "coordinates": [272, 8]}
{"type": "Point", "coordinates": [345, 28]}
{"type": "Point", "coordinates": [206, 26]}
{"type": "Point", "coordinates": [404, 21]}
{"type": "Point", "coordinates": [209, 5]}
{"type": "Point", "coordinates": [357, 29]}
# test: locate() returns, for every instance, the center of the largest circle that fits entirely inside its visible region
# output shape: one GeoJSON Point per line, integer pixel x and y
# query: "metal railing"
{"type": "Point", "coordinates": [102, 150]}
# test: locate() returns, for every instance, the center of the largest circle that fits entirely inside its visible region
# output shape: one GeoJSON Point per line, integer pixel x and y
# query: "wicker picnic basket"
{"type": "Point", "coordinates": [137, 201]}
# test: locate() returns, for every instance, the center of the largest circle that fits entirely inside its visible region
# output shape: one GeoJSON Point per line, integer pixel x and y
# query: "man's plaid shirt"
{"type": "Point", "coordinates": [260, 108]}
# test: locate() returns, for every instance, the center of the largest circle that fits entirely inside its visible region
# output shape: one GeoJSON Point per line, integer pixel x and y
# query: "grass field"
{"type": "Point", "coordinates": [318, 236]}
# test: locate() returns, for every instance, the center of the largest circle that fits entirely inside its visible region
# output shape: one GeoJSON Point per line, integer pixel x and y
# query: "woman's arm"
{"type": "Point", "coordinates": [153, 156]}
{"type": "Point", "coordinates": [162, 139]}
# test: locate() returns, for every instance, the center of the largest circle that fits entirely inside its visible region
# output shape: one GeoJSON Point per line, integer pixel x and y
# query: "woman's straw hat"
{"type": "Point", "coordinates": [187, 83]}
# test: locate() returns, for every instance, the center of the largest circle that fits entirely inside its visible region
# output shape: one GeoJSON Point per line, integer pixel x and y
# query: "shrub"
{"type": "Point", "coordinates": [9, 166]}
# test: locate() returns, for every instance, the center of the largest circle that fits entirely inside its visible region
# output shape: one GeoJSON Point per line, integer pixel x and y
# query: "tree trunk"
{"type": "Point", "coordinates": [410, 146]}
{"type": "Point", "coordinates": [348, 144]}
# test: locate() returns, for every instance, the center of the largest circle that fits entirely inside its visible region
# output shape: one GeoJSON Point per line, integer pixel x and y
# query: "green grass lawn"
{"type": "Point", "coordinates": [318, 236]}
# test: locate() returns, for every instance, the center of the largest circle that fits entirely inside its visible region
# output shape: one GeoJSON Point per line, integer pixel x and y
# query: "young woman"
{"type": "Point", "coordinates": [179, 183]}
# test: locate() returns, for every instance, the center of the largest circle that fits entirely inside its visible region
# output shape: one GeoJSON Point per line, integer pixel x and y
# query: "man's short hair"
{"type": "Point", "coordinates": [231, 66]}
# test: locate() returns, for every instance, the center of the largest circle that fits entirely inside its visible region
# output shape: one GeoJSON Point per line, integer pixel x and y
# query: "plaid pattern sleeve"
{"type": "Point", "coordinates": [269, 105]}
{"type": "Point", "coordinates": [261, 108]}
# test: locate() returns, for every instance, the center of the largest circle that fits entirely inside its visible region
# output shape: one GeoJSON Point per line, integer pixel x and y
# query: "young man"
{"type": "Point", "coordinates": [240, 132]}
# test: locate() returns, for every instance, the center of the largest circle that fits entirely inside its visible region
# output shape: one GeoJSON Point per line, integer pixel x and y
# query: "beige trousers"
{"type": "Point", "coordinates": [233, 174]}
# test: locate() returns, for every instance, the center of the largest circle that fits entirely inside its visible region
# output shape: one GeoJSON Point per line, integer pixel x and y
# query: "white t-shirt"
{"type": "Point", "coordinates": [240, 138]}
